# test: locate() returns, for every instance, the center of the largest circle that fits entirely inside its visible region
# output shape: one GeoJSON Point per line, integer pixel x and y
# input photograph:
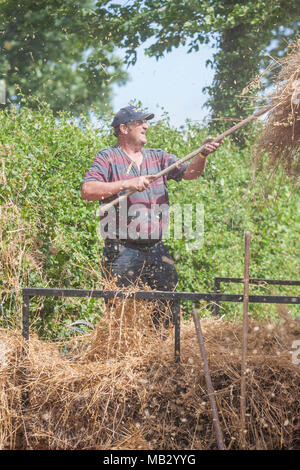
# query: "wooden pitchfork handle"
{"type": "Point", "coordinates": [219, 138]}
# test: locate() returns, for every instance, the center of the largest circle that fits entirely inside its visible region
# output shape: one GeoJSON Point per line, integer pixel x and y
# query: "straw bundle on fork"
{"type": "Point", "coordinates": [280, 136]}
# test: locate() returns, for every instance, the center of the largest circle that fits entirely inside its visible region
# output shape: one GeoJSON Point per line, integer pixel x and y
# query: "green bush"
{"type": "Point", "coordinates": [43, 218]}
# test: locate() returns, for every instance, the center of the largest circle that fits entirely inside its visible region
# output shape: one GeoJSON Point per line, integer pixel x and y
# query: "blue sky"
{"type": "Point", "coordinates": [174, 83]}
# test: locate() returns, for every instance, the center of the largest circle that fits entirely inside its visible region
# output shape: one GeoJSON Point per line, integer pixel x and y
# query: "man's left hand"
{"type": "Point", "coordinates": [210, 146]}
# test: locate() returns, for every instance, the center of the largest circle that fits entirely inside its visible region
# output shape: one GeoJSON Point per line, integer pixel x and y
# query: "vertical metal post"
{"type": "Point", "coordinates": [245, 339]}
{"type": "Point", "coordinates": [25, 334]}
{"type": "Point", "coordinates": [216, 291]}
{"type": "Point", "coordinates": [25, 316]}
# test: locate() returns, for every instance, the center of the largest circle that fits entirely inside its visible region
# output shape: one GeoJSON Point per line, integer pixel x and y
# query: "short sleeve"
{"type": "Point", "coordinates": [177, 172]}
{"type": "Point", "coordinates": [100, 169]}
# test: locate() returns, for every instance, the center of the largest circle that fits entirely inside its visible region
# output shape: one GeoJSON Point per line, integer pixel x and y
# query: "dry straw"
{"type": "Point", "coordinates": [280, 136]}
{"type": "Point", "coordinates": [118, 386]}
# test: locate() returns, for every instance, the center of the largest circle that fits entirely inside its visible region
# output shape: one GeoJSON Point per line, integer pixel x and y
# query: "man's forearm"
{"type": "Point", "coordinates": [195, 168]}
{"type": "Point", "coordinates": [98, 191]}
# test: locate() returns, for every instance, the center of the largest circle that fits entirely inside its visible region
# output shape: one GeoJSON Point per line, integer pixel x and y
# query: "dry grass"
{"type": "Point", "coordinates": [280, 137]}
{"type": "Point", "coordinates": [18, 250]}
{"type": "Point", "coordinates": [119, 387]}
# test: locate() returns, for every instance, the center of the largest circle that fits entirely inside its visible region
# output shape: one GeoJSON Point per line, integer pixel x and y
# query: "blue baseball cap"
{"type": "Point", "coordinates": [130, 113]}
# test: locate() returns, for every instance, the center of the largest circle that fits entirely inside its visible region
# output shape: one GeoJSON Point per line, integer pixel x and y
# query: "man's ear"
{"type": "Point", "coordinates": [123, 129]}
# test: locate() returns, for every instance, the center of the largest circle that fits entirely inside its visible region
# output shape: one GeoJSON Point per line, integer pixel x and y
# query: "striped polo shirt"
{"type": "Point", "coordinates": [143, 216]}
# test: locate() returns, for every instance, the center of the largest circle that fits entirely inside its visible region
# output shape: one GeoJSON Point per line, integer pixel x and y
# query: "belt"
{"type": "Point", "coordinates": [135, 243]}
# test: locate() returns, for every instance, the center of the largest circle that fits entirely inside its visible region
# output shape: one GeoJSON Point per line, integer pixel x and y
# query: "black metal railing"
{"type": "Point", "coordinates": [276, 299]}
{"type": "Point", "coordinates": [215, 297]}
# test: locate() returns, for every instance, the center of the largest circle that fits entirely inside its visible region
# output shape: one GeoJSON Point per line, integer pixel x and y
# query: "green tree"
{"type": "Point", "coordinates": [241, 31]}
{"type": "Point", "coordinates": [48, 50]}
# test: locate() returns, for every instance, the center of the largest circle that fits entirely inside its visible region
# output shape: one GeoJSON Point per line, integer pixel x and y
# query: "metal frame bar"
{"type": "Point", "coordinates": [257, 281]}
{"type": "Point", "coordinates": [215, 297]}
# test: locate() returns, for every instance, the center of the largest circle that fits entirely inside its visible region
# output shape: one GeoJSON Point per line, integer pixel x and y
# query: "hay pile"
{"type": "Point", "coordinates": [280, 137]}
{"type": "Point", "coordinates": [119, 387]}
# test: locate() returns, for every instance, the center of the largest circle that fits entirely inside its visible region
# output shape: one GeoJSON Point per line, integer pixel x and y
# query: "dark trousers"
{"type": "Point", "coordinates": [133, 264]}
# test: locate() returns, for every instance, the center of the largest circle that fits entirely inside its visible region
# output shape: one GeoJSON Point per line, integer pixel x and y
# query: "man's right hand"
{"type": "Point", "coordinates": [140, 183]}
{"type": "Point", "coordinates": [98, 190]}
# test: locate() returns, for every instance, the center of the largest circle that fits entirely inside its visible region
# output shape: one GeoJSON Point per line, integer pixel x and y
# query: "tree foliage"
{"type": "Point", "coordinates": [63, 52]}
{"type": "Point", "coordinates": [48, 50]}
{"type": "Point", "coordinates": [240, 31]}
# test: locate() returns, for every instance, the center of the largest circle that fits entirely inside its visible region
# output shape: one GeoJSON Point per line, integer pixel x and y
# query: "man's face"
{"type": "Point", "coordinates": [136, 131]}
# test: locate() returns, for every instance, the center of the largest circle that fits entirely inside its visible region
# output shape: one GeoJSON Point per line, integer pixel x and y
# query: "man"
{"type": "Point", "coordinates": [134, 252]}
